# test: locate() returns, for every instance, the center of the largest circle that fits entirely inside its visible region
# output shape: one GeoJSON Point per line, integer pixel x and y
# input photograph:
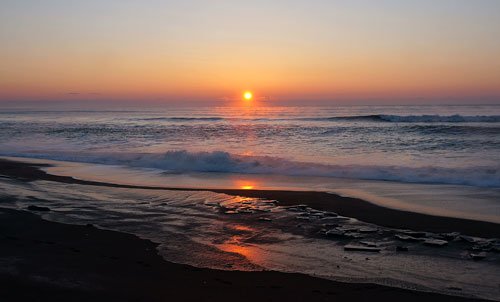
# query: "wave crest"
{"type": "Point", "coordinates": [220, 161]}
{"type": "Point", "coordinates": [387, 118]}
{"type": "Point", "coordinates": [419, 118]}
{"type": "Point", "coordinates": [440, 118]}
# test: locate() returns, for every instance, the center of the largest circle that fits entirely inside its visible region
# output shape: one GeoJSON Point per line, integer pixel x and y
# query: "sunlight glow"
{"type": "Point", "coordinates": [248, 96]}
{"type": "Point", "coordinates": [246, 184]}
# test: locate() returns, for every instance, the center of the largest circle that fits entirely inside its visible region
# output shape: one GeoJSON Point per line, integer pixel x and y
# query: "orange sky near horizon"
{"type": "Point", "coordinates": [193, 51]}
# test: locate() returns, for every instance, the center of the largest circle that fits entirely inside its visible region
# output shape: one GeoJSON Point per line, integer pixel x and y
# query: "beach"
{"type": "Point", "coordinates": [351, 207]}
{"type": "Point", "coordinates": [52, 261]}
{"type": "Point", "coordinates": [249, 151]}
{"type": "Point", "coordinates": [44, 261]}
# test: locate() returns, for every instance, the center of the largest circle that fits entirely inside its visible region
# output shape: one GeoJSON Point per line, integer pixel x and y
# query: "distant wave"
{"type": "Point", "coordinates": [440, 119]}
{"type": "Point", "coordinates": [220, 161]}
{"type": "Point", "coordinates": [420, 118]}
{"type": "Point", "coordinates": [370, 118]}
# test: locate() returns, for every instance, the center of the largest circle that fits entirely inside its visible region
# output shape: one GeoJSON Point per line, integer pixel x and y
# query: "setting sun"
{"type": "Point", "coordinates": [227, 135]}
{"type": "Point", "coordinates": [246, 184]}
{"type": "Point", "coordinates": [248, 96]}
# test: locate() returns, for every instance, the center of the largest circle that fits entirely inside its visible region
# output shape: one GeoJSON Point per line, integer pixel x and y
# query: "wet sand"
{"type": "Point", "coordinates": [345, 206]}
{"type": "Point", "coordinates": [48, 261]}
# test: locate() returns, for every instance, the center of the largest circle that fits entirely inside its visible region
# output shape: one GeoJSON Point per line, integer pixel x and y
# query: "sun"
{"type": "Point", "coordinates": [248, 95]}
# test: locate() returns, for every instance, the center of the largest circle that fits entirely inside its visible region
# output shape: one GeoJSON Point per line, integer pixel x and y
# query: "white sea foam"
{"type": "Point", "coordinates": [181, 161]}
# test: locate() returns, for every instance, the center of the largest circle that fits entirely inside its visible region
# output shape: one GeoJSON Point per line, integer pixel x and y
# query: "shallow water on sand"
{"type": "Point", "coordinates": [457, 201]}
{"type": "Point", "coordinates": [215, 230]}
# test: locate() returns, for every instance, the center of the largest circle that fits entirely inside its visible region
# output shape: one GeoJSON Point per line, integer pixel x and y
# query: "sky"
{"type": "Point", "coordinates": [314, 51]}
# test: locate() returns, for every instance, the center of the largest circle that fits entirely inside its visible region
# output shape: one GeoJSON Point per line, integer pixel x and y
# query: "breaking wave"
{"type": "Point", "coordinates": [369, 118]}
{"type": "Point", "coordinates": [224, 162]}
{"type": "Point", "coordinates": [440, 119]}
{"type": "Point", "coordinates": [419, 118]}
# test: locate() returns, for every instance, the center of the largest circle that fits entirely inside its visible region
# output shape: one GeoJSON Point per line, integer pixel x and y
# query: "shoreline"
{"type": "Point", "coordinates": [50, 261]}
{"type": "Point", "coordinates": [345, 206]}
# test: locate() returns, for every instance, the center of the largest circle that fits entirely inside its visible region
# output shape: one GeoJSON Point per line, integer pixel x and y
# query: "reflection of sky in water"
{"type": "Point", "coordinates": [220, 231]}
{"type": "Point", "coordinates": [445, 200]}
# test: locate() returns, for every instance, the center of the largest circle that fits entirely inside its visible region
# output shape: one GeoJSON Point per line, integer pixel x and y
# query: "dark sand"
{"type": "Point", "coordinates": [47, 261]}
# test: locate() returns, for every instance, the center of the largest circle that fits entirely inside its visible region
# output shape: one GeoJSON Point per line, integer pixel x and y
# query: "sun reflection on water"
{"type": "Point", "coordinates": [247, 251]}
{"type": "Point", "coordinates": [236, 244]}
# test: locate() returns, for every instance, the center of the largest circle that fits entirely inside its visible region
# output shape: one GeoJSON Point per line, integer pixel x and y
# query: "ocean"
{"type": "Point", "coordinates": [407, 144]}
{"type": "Point", "coordinates": [438, 160]}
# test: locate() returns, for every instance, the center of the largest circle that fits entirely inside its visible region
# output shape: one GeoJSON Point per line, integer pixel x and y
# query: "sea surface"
{"type": "Point", "coordinates": [408, 144]}
{"type": "Point", "coordinates": [439, 160]}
